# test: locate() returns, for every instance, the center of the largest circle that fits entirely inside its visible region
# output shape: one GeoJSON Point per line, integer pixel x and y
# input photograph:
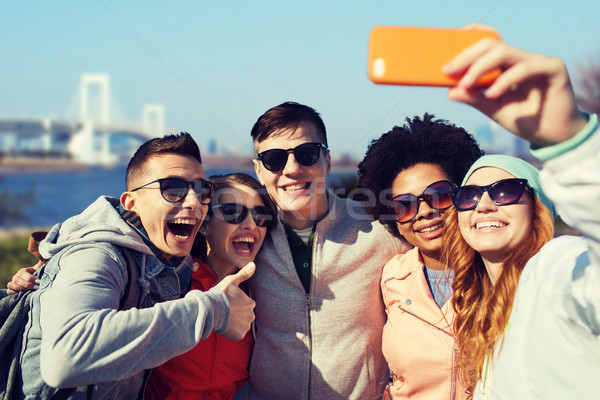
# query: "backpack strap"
{"type": "Point", "coordinates": [131, 294]}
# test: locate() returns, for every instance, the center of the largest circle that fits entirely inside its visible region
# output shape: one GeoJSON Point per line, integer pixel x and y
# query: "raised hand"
{"type": "Point", "coordinates": [532, 98]}
{"type": "Point", "coordinates": [240, 305]}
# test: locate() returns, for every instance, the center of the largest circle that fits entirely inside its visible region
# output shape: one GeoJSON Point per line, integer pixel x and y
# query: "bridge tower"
{"type": "Point", "coordinates": [92, 144]}
{"type": "Point", "coordinates": [103, 83]}
{"type": "Point", "coordinates": [153, 119]}
{"type": "Point", "coordinates": [85, 146]}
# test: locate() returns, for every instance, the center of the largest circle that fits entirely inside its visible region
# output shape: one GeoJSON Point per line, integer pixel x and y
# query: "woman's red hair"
{"type": "Point", "coordinates": [483, 309]}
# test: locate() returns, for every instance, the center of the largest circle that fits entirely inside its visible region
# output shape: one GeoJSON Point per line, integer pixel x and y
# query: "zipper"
{"type": "Point", "coordinates": [454, 377]}
{"type": "Point", "coordinates": [309, 343]}
{"type": "Point", "coordinates": [312, 240]}
{"type": "Point", "coordinates": [454, 351]}
{"type": "Point", "coordinates": [213, 363]}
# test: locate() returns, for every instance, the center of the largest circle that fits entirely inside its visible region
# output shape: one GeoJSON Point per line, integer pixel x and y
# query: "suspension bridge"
{"type": "Point", "coordinates": [91, 138]}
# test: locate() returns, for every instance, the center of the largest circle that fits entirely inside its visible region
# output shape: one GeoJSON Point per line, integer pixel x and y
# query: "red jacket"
{"type": "Point", "coordinates": [215, 369]}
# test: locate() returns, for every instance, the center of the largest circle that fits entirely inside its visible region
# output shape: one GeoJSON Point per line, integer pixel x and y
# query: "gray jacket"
{"type": "Point", "coordinates": [86, 339]}
{"type": "Point", "coordinates": [325, 344]}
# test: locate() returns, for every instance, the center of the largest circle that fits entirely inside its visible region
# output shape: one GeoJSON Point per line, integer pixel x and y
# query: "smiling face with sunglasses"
{"type": "Point", "coordinates": [235, 228]}
{"type": "Point", "coordinates": [171, 198]}
{"type": "Point", "coordinates": [420, 206]}
{"type": "Point", "coordinates": [495, 213]}
{"type": "Point", "coordinates": [293, 165]}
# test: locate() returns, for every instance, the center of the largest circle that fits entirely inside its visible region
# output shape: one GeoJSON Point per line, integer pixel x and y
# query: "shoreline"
{"type": "Point", "coordinates": [25, 165]}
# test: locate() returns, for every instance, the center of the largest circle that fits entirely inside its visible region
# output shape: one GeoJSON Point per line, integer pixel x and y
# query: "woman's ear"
{"type": "Point", "coordinates": [203, 231]}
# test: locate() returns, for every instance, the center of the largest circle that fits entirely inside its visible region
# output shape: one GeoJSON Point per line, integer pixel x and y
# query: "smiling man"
{"type": "Point", "coordinates": [102, 315]}
{"type": "Point", "coordinates": [319, 313]}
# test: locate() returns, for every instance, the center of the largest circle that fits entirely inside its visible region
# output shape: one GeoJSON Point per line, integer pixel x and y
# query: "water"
{"type": "Point", "coordinates": [60, 195]}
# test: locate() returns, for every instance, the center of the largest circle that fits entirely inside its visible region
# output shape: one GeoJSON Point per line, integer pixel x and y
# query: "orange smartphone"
{"type": "Point", "coordinates": [408, 55]}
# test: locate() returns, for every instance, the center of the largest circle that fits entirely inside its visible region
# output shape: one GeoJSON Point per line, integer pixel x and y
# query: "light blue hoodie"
{"type": "Point", "coordinates": [86, 339]}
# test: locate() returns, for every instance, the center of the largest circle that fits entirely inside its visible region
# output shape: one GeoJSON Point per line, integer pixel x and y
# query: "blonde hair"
{"type": "Point", "coordinates": [483, 309]}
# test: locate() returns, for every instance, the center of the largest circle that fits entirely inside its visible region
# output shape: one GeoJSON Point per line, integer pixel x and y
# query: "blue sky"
{"type": "Point", "coordinates": [216, 66]}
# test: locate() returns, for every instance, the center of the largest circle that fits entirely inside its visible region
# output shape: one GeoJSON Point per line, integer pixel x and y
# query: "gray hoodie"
{"type": "Point", "coordinates": [86, 339]}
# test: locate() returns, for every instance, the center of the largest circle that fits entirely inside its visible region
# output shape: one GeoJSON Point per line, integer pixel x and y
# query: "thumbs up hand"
{"type": "Point", "coordinates": [241, 307]}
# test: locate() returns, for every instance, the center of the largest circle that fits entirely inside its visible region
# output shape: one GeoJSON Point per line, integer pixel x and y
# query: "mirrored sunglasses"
{"type": "Point", "coordinates": [502, 193]}
{"type": "Point", "coordinates": [437, 195]}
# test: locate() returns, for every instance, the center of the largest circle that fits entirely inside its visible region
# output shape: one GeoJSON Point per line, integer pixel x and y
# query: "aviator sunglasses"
{"type": "Point", "coordinates": [437, 195]}
{"type": "Point", "coordinates": [175, 190]}
{"type": "Point", "coordinates": [235, 213]}
{"type": "Point", "coordinates": [306, 154]}
{"type": "Point", "coordinates": [502, 193]}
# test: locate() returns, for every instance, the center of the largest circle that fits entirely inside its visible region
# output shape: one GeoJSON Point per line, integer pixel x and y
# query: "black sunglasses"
{"type": "Point", "coordinates": [502, 193]}
{"type": "Point", "coordinates": [437, 195]}
{"type": "Point", "coordinates": [235, 213]}
{"type": "Point", "coordinates": [175, 190]}
{"type": "Point", "coordinates": [306, 154]}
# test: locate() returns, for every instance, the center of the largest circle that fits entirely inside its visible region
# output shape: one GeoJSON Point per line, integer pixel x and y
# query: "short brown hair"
{"type": "Point", "coordinates": [288, 115]}
{"type": "Point", "coordinates": [182, 144]}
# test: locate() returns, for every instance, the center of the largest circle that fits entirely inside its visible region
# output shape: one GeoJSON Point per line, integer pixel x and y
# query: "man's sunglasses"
{"type": "Point", "coordinates": [502, 193]}
{"type": "Point", "coordinates": [437, 195]}
{"type": "Point", "coordinates": [175, 190]}
{"type": "Point", "coordinates": [235, 213]}
{"type": "Point", "coordinates": [306, 154]}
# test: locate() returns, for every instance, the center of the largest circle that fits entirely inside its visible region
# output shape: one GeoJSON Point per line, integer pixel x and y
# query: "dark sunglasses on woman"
{"type": "Point", "coordinates": [175, 190]}
{"type": "Point", "coordinates": [437, 195]}
{"type": "Point", "coordinates": [235, 213]}
{"type": "Point", "coordinates": [502, 193]}
{"type": "Point", "coordinates": [306, 154]}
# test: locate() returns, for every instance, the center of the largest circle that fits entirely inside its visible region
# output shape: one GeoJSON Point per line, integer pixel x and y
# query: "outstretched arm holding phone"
{"type": "Point", "coordinates": [549, 347]}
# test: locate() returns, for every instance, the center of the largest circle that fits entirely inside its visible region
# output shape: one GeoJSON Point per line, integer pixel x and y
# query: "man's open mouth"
{"type": "Point", "coordinates": [182, 228]}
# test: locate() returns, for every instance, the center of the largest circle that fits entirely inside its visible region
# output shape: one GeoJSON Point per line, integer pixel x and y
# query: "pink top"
{"type": "Point", "coordinates": [418, 342]}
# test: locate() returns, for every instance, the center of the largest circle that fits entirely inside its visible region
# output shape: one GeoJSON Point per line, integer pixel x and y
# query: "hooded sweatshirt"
{"type": "Point", "coordinates": [86, 339]}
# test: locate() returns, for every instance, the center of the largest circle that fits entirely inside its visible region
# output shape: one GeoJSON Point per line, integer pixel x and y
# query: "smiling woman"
{"type": "Point", "coordinates": [411, 171]}
{"type": "Point", "coordinates": [503, 219]}
{"type": "Point", "coordinates": [239, 215]}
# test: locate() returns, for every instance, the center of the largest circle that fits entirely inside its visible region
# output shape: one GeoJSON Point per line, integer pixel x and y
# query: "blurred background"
{"type": "Point", "coordinates": [84, 83]}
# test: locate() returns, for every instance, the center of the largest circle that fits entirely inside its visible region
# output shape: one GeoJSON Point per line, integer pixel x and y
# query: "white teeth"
{"type": "Point", "coordinates": [431, 228]}
{"type": "Point", "coordinates": [489, 224]}
{"type": "Point", "coordinates": [246, 239]}
{"type": "Point", "coordinates": [295, 187]}
{"type": "Point", "coordinates": [182, 237]}
{"type": "Point", "coordinates": [186, 221]}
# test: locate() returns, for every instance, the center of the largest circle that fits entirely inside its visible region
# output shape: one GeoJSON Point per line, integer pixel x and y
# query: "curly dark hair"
{"type": "Point", "coordinates": [420, 140]}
